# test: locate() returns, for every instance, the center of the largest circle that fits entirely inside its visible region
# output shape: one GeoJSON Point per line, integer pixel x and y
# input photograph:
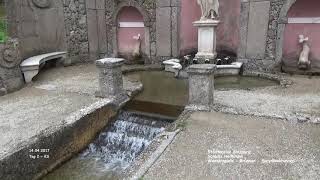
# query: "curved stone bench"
{"type": "Point", "coordinates": [30, 67]}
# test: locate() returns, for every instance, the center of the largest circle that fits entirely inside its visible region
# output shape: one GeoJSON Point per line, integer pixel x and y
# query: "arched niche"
{"type": "Point", "coordinates": [302, 18]}
{"type": "Point", "coordinates": [134, 23]}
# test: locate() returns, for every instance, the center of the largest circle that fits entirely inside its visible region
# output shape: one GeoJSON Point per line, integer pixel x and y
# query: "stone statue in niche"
{"type": "Point", "coordinates": [42, 3]}
{"type": "Point", "coordinates": [304, 62]}
{"type": "Point", "coordinates": [209, 9]}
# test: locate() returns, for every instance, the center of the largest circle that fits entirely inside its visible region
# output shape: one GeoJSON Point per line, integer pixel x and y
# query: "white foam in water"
{"type": "Point", "coordinates": [129, 135]}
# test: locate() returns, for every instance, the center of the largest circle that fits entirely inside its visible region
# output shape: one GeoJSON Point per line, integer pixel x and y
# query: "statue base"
{"type": "Point", "coordinates": [207, 42]}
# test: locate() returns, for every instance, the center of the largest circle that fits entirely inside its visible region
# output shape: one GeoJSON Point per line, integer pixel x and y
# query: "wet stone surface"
{"type": "Point", "coordinates": [114, 149]}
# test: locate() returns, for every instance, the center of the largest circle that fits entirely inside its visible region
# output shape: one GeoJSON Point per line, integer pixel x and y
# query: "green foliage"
{"type": "Point", "coordinates": [3, 31]}
{"type": "Point", "coordinates": [3, 23]}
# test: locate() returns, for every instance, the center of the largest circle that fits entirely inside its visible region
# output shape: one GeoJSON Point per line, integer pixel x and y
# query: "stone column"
{"type": "Point", "coordinates": [207, 42]}
{"type": "Point", "coordinates": [110, 77]}
{"type": "Point", "coordinates": [201, 86]}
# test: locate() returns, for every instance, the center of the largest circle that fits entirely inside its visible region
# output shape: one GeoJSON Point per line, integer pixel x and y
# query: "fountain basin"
{"type": "Point", "coordinates": [222, 70]}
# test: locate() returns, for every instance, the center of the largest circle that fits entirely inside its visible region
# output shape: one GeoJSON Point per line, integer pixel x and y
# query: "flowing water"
{"type": "Point", "coordinates": [114, 149]}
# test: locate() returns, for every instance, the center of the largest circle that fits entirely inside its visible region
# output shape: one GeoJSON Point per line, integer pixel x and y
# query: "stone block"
{"type": "Point", "coordinates": [91, 4]}
{"type": "Point", "coordinates": [257, 29]}
{"type": "Point", "coordinates": [110, 77]}
{"type": "Point", "coordinates": [176, 3]}
{"type": "Point", "coordinates": [51, 30]}
{"type": "Point", "coordinates": [201, 86]}
{"type": "Point", "coordinates": [100, 4]}
{"type": "Point", "coordinates": [163, 3]}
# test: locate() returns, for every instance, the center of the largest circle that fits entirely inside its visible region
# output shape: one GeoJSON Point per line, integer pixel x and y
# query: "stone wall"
{"type": "Point", "coordinates": [40, 26]}
{"type": "Point", "coordinates": [259, 33]}
{"type": "Point", "coordinates": [75, 19]}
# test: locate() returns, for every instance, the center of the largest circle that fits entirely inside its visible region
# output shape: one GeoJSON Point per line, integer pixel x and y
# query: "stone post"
{"type": "Point", "coordinates": [201, 86]}
{"type": "Point", "coordinates": [110, 77]}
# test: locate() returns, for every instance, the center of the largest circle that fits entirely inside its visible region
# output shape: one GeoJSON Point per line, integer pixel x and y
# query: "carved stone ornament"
{"type": "Point", "coordinates": [42, 3]}
{"type": "Point", "coordinates": [10, 54]}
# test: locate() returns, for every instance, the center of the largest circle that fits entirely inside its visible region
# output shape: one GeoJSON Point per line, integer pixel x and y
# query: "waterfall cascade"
{"type": "Point", "coordinates": [124, 140]}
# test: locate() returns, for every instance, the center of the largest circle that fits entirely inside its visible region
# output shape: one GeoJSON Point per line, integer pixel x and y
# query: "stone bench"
{"type": "Point", "coordinates": [30, 67]}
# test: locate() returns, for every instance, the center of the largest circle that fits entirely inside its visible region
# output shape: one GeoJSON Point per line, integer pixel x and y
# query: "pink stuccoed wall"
{"type": "Point", "coordinates": [227, 32]}
{"type": "Point", "coordinates": [291, 46]}
{"type": "Point", "coordinates": [126, 43]}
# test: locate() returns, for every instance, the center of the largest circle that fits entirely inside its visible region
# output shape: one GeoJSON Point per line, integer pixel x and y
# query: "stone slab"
{"type": "Point", "coordinates": [257, 29]}
{"type": "Point", "coordinates": [93, 36]}
{"type": "Point", "coordinates": [163, 36]}
{"type": "Point", "coordinates": [175, 14]}
{"type": "Point", "coordinates": [102, 29]}
{"type": "Point", "coordinates": [244, 17]}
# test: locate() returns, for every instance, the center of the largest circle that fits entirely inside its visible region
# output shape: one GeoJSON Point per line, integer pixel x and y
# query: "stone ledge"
{"type": "Point", "coordinates": [202, 68]}
{"type": "Point", "coordinates": [77, 130]}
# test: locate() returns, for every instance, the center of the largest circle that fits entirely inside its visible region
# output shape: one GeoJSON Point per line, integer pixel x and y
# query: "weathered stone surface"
{"type": "Point", "coordinates": [163, 37]}
{"type": "Point", "coordinates": [201, 86]}
{"type": "Point", "coordinates": [76, 30]}
{"type": "Point", "coordinates": [75, 118]}
{"type": "Point", "coordinates": [93, 35]}
{"type": "Point", "coordinates": [10, 75]}
{"type": "Point", "coordinates": [243, 29]}
{"type": "Point", "coordinates": [101, 20]}
{"type": "Point", "coordinates": [207, 43]}
{"type": "Point", "coordinates": [257, 29]}
{"type": "Point", "coordinates": [110, 77]}
{"type": "Point", "coordinates": [175, 34]}
{"type": "Point", "coordinates": [274, 18]}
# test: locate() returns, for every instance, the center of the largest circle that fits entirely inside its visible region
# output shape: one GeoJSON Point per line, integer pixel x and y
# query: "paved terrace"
{"type": "Point", "coordinates": [194, 154]}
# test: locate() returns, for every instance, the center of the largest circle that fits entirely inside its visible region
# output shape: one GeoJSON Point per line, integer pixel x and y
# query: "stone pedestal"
{"type": "Point", "coordinates": [110, 77]}
{"type": "Point", "coordinates": [206, 39]}
{"type": "Point", "coordinates": [201, 86]}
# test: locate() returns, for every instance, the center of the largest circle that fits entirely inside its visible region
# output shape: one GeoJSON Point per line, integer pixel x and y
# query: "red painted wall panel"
{"type": "Point", "coordinates": [126, 42]}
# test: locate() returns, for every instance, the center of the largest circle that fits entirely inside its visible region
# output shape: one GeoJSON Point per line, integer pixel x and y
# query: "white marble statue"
{"type": "Point", "coordinates": [209, 9]}
{"type": "Point", "coordinates": [304, 62]}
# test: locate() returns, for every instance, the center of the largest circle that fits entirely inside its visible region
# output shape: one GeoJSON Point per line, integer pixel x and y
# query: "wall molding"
{"type": "Point", "coordinates": [131, 24]}
{"type": "Point", "coordinates": [304, 20]}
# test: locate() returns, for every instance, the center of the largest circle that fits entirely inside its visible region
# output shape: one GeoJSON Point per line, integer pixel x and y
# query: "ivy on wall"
{"type": "Point", "coordinates": [3, 23]}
